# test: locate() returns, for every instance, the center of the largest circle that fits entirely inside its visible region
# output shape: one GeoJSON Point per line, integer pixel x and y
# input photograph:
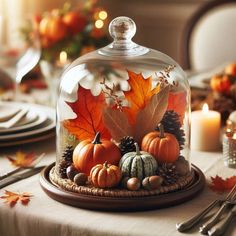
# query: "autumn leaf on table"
{"type": "Point", "coordinates": [12, 198]}
{"type": "Point", "coordinates": [149, 117]}
{"type": "Point", "coordinates": [139, 94]}
{"type": "Point", "coordinates": [220, 185]}
{"type": "Point", "coordinates": [23, 159]}
{"type": "Point", "coordinates": [89, 118]}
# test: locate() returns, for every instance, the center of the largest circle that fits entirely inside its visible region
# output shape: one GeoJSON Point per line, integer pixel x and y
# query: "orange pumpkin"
{"type": "Point", "coordinates": [163, 146]}
{"type": "Point", "coordinates": [53, 28]}
{"type": "Point", "coordinates": [231, 69]}
{"type": "Point", "coordinates": [74, 21]}
{"type": "Point", "coordinates": [105, 176]}
{"type": "Point", "coordinates": [221, 84]}
{"type": "Point", "coordinates": [89, 153]}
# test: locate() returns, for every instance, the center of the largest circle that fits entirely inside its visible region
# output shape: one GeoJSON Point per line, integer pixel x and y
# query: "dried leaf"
{"type": "Point", "coordinates": [23, 159]}
{"type": "Point", "coordinates": [220, 185]}
{"type": "Point", "coordinates": [117, 123]}
{"type": "Point", "coordinates": [89, 116]}
{"type": "Point", "coordinates": [12, 198]}
{"type": "Point", "coordinates": [139, 94]}
{"type": "Point", "coordinates": [152, 114]}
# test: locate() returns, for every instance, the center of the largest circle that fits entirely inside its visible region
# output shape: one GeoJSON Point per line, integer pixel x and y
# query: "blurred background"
{"type": "Point", "coordinates": [160, 22]}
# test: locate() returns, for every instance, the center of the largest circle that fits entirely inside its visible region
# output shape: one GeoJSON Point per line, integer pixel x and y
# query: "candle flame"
{"type": "Point", "coordinates": [63, 57]}
{"type": "Point", "coordinates": [234, 136]}
{"type": "Point", "coordinates": [205, 108]}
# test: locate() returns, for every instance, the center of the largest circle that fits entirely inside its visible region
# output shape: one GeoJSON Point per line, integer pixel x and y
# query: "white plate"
{"type": "Point", "coordinates": [47, 125]}
{"type": "Point", "coordinates": [33, 118]}
{"type": "Point", "coordinates": [202, 79]}
{"type": "Point", "coordinates": [7, 111]}
{"type": "Point", "coordinates": [28, 140]}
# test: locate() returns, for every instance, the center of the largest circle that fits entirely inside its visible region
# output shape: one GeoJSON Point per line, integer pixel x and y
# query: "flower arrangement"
{"type": "Point", "coordinates": [76, 30]}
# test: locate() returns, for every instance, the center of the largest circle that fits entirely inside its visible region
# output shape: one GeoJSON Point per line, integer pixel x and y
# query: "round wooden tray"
{"type": "Point", "coordinates": [122, 203]}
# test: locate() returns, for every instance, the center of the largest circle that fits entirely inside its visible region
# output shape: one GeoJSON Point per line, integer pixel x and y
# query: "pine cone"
{"type": "Point", "coordinates": [61, 169]}
{"type": "Point", "coordinates": [168, 172]}
{"type": "Point", "coordinates": [172, 125]}
{"type": "Point", "coordinates": [68, 154]}
{"type": "Point", "coordinates": [127, 145]}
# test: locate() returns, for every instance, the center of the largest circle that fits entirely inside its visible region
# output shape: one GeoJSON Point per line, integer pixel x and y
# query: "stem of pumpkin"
{"type": "Point", "coordinates": [105, 164]}
{"type": "Point", "coordinates": [137, 149]}
{"type": "Point", "coordinates": [97, 138]}
{"type": "Point", "coordinates": [161, 128]}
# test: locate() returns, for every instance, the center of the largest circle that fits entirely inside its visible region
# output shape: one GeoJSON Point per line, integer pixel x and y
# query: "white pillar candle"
{"type": "Point", "coordinates": [205, 130]}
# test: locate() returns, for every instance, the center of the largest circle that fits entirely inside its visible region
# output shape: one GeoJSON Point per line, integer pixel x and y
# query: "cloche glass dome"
{"type": "Point", "coordinates": [121, 97]}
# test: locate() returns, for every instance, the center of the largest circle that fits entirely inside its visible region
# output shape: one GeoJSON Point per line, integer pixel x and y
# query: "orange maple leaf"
{"type": "Point", "coordinates": [23, 159]}
{"type": "Point", "coordinates": [12, 198]}
{"type": "Point", "coordinates": [220, 185]}
{"type": "Point", "coordinates": [139, 94]}
{"type": "Point", "coordinates": [89, 119]}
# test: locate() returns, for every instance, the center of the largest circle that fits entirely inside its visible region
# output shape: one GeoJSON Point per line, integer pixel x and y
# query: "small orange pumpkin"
{"type": "Point", "coordinates": [53, 28]}
{"type": "Point", "coordinates": [105, 176]}
{"type": "Point", "coordinates": [163, 146]}
{"type": "Point", "coordinates": [90, 153]}
{"type": "Point", "coordinates": [221, 84]}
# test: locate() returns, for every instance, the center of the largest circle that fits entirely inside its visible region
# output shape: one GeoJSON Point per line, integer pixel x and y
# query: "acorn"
{"type": "Point", "coordinates": [80, 179]}
{"type": "Point", "coordinates": [152, 182]}
{"type": "Point", "coordinates": [71, 171]}
{"type": "Point", "coordinates": [133, 184]}
{"type": "Point", "coordinates": [182, 166]}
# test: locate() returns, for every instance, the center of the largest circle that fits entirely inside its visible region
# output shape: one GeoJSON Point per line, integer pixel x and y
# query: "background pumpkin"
{"type": "Point", "coordinates": [138, 164]}
{"type": "Point", "coordinates": [221, 84]}
{"type": "Point", "coordinates": [53, 28]}
{"type": "Point", "coordinates": [87, 154]}
{"type": "Point", "coordinates": [105, 176]}
{"type": "Point", "coordinates": [163, 146]}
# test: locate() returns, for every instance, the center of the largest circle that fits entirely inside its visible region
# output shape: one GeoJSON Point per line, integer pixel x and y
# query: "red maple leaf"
{"type": "Point", "coordinates": [89, 121]}
{"type": "Point", "coordinates": [220, 185]}
{"type": "Point", "coordinates": [177, 102]}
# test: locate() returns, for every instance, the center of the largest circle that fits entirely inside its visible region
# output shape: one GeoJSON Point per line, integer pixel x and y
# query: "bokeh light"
{"type": "Point", "coordinates": [99, 24]}
{"type": "Point", "coordinates": [102, 15]}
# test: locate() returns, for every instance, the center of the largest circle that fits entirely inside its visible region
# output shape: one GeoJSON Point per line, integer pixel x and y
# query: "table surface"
{"type": "Point", "coordinates": [44, 216]}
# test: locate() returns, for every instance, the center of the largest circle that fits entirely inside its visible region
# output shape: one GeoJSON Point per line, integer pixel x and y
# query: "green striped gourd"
{"type": "Point", "coordinates": [138, 164]}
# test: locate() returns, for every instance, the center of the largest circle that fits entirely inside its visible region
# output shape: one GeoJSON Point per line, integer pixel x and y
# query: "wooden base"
{"type": "Point", "coordinates": [122, 203]}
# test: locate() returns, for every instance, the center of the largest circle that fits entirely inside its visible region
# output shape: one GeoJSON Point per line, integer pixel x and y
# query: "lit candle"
{"type": "Point", "coordinates": [205, 130]}
{"type": "Point", "coordinates": [62, 62]}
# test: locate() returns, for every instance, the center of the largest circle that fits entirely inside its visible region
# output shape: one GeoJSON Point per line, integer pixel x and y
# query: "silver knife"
{"type": "Point", "coordinates": [15, 178]}
{"type": "Point", "coordinates": [220, 228]}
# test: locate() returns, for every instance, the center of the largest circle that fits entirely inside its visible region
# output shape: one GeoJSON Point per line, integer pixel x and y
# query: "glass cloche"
{"type": "Point", "coordinates": [123, 117]}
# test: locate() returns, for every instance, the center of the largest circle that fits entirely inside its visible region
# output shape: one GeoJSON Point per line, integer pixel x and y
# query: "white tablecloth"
{"type": "Point", "coordinates": [44, 216]}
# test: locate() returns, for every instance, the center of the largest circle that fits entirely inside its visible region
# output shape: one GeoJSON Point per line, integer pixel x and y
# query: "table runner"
{"type": "Point", "coordinates": [44, 216]}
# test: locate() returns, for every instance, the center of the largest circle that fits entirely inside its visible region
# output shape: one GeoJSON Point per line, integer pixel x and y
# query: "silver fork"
{"type": "Point", "coordinates": [186, 225]}
{"type": "Point", "coordinates": [221, 227]}
{"type": "Point", "coordinates": [210, 223]}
